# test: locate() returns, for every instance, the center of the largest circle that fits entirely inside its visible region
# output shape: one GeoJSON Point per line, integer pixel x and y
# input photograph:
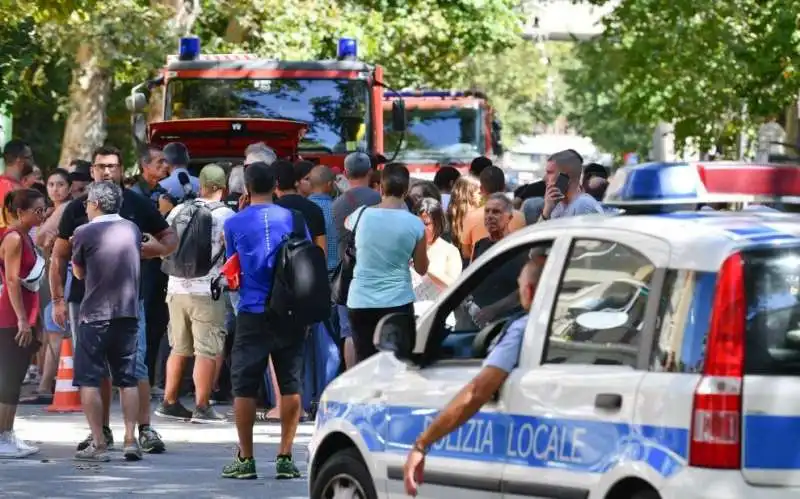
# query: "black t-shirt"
{"type": "Point", "coordinates": [312, 213]}
{"type": "Point", "coordinates": [136, 208]}
{"type": "Point", "coordinates": [481, 247]}
{"type": "Point", "coordinates": [502, 281]}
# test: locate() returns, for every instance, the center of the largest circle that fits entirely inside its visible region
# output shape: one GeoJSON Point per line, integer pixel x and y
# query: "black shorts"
{"type": "Point", "coordinates": [363, 321]}
{"type": "Point", "coordinates": [14, 361]}
{"type": "Point", "coordinates": [105, 347]}
{"type": "Point", "coordinates": [257, 339]}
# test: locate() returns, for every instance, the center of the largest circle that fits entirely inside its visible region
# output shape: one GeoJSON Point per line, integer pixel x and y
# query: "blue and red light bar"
{"type": "Point", "coordinates": [713, 182]}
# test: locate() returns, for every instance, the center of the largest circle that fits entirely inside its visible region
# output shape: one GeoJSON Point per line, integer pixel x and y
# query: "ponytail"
{"type": "Point", "coordinates": [7, 214]}
{"type": "Point", "coordinates": [18, 199]}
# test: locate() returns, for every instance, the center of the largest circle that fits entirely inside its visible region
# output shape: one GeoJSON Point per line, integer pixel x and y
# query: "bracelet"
{"type": "Point", "coordinates": [57, 300]}
{"type": "Point", "coordinates": [419, 448]}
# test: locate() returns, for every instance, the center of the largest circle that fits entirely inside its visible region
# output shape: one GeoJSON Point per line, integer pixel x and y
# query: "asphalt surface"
{"type": "Point", "coordinates": [190, 467]}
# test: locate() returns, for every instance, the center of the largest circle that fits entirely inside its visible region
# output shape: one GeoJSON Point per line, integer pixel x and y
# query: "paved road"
{"type": "Point", "coordinates": [190, 468]}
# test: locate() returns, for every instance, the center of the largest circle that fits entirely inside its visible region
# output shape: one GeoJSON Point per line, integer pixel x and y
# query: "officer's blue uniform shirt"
{"type": "Point", "coordinates": [173, 186]}
{"type": "Point", "coordinates": [505, 354]}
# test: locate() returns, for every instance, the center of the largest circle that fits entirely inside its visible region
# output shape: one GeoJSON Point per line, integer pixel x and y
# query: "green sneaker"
{"type": "Point", "coordinates": [241, 469]}
{"type": "Point", "coordinates": [285, 468]}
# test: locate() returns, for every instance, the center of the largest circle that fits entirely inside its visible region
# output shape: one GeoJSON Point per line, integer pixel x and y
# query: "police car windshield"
{"type": "Point", "coordinates": [335, 110]}
{"type": "Point", "coordinates": [437, 134]}
{"type": "Point", "coordinates": [772, 288]}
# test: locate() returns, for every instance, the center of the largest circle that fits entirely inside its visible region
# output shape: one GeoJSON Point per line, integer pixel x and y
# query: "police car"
{"type": "Point", "coordinates": [661, 359]}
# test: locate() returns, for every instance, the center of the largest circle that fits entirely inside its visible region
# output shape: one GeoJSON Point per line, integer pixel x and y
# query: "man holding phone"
{"type": "Point", "coordinates": [564, 197]}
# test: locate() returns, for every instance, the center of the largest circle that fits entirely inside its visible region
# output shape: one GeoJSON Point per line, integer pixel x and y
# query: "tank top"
{"type": "Point", "coordinates": [30, 299]}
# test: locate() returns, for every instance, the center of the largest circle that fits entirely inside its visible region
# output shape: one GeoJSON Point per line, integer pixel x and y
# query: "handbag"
{"type": "Point", "coordinates": [343, 275]}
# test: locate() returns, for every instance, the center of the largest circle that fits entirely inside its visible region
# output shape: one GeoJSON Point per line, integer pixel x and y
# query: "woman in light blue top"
{"type": "Point", "coordinates": [387, 238]}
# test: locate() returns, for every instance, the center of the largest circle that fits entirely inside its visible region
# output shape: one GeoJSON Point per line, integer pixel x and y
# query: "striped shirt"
{"type": "Point", "coordinates": [325, 202]}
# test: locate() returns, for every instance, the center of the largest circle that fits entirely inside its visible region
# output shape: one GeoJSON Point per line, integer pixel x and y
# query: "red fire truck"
{"type": "Point", "coordinates": [443, 128]}
{"type": "Point", "coordinates": [218, 104]}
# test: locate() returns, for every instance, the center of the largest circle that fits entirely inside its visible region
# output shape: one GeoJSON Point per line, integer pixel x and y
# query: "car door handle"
{"type": "Point", "coordinates": [608, 401]}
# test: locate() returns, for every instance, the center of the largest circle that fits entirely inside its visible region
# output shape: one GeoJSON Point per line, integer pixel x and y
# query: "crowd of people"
{"type": "Point", "coordinates": [138, 273]}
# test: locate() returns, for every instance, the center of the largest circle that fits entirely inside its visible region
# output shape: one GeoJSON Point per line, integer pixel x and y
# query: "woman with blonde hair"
{"type": "Point", "coordinates": [465, 197]}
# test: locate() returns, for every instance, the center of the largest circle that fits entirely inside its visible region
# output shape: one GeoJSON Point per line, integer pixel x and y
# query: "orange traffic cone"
{"type": "Point", "coordinates": [67, 398]}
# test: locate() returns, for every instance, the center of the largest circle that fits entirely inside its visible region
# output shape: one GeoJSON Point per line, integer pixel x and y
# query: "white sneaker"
{"type": "Point", "coordinates": [32, 377]}
{"type": "Point", "coordinates": [12, 447]}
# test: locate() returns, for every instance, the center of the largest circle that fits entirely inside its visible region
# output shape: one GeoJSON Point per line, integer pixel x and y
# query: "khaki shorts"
{"type": "Point", "coordinates": [196, 325]}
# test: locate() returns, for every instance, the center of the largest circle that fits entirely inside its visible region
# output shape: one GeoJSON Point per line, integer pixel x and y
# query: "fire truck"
{"type": "Point", "coordinates": [218, 104]}
{"type": "Point", "coordinates": [442, 128]}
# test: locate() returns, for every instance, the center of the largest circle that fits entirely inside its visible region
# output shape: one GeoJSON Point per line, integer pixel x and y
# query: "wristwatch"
{"type": "Point", "coordinates": [420, 448]}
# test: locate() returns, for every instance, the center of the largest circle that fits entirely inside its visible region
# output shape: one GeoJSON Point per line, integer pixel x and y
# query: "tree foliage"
{"type": "Point", "coordinates": [692, 62]}
{"type": "Point", "coordinates": [418, 42]}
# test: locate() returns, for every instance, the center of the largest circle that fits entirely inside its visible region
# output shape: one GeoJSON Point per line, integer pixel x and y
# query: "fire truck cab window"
{"type": "Point", "coordinates": [335, 110]}
{"type": "Point", "coordinates": [437, 134]}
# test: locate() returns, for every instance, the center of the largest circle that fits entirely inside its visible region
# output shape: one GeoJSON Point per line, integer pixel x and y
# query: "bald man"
{"type": "Point", "coordinates": [573, 201]}
{"type": "Point", "coordinates": [322, 180]}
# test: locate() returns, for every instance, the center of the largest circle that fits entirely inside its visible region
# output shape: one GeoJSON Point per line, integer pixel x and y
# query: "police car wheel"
{"type": "Point", "coordinates": [343, 476]}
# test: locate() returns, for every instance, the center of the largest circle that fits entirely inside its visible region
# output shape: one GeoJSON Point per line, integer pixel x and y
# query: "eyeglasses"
{"type": "Point", "coordinates": [40, 211]}
{"type": "Point", "coordinates": [106, 166]}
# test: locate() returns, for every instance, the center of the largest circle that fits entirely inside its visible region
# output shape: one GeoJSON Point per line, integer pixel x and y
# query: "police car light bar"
{"type": "Point", "coordinates": [216, 57]}
{"type": "Point", "coordinates": [693, 183]}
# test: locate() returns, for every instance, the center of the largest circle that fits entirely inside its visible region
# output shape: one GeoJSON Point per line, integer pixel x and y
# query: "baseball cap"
{"type": "Point", "coordinates": [213, 176]}
{"type": "Point", "coordinates": [357, 164]}
{"type": "Point", "coordinates": [176, 154]}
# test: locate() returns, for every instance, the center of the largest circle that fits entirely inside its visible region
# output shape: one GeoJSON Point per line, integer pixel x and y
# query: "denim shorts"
{"type": "Point", "coordinates": [50, 325]}
{"type": "Point", "coordinates": [106, 348]}
{"type": "Point", "coordinates": [141, 371]}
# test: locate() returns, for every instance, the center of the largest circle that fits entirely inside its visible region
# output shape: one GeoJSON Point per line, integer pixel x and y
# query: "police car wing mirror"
{"type": "Point", "coordinates": [399, 116]}
{"type": "Point", "coordinates": [602, 320]}
{"type": "Point", "coordinates": [396, 333]}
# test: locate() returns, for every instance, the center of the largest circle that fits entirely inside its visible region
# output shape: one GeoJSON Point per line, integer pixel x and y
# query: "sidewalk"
{"type": "Point", "coordinates": [190, 468]}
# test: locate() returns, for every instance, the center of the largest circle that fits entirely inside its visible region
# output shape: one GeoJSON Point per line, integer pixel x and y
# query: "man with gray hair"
{"type": "Point", "coordinates": [106, 254]}
{"type": "Point", "coordinates": [259, 152]}
{"type": "Point", "coordinates": [571, 201]}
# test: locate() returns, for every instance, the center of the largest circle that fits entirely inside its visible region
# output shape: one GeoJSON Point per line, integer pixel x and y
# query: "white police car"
{"type": "Point", "coordinates": [661, 360]}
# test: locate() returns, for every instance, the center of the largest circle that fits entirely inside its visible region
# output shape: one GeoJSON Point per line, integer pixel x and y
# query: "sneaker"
{"type": "Point", "coordinates": [132, 451]}
{"type": "Point", "coordinates": [173, 411]}
{"type": "Point", "coordinates": [12, 447]}
{"type": "Point", "coordinates": [150, 441]}
{"type": "Point", "coordinates": [32, 377]}
{"type": "Point", "coordinates": [285, 468]}
{"type": "Point", "coordinates": [206, 415]}
{"type": "Point", "coordinates": [241, 469]}
{"type": "Point", "coordinates": [89, 440]}
{"type": "Point", "coordinates": [93, 454]}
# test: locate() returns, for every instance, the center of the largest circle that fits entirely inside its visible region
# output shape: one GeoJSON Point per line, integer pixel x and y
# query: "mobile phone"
{"type": "Point", "coordinates": [562, 183]}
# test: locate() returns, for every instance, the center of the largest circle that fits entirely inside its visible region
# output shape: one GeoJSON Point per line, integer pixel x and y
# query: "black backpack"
{"type": "Point", "coordinates": [193, 258]}
{"type": "Point", "coordinates": [301, 292]}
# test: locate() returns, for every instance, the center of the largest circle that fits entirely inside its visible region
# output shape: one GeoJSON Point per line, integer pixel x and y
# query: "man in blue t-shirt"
{"type": "Point", "coordinates": [255, 234]}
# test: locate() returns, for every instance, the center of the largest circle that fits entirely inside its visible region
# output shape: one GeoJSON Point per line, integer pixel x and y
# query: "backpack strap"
{"type": "Point", "coordinates": [358, 219]}
{"type": "Point", "coordinates": [298, 225]}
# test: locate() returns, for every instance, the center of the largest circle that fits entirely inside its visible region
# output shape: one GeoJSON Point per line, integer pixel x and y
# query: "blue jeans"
{"type": "Point", "coordinates": [345, 330]}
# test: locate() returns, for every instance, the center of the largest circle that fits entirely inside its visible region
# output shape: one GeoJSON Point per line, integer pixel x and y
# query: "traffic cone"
{"type": "Point", "coordinates": [67, 398]}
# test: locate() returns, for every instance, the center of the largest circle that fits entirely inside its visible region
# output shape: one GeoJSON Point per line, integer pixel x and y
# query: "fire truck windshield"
{"type": "Point", "coordinates": [437, 134]}
{"type": "Point", "coordinates": [336, 111]}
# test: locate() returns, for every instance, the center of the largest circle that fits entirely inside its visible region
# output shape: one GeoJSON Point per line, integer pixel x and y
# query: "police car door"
{"type": "Point", "coordinates": [468, 463]}
{"type": "Point", "coordinates": [571, 400]}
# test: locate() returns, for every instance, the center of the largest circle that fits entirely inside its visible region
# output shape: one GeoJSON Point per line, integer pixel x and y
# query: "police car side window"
{"type": "Point", "coordinates": [682, 322]}
{"type": "Point", "coordinates": [600, 305]}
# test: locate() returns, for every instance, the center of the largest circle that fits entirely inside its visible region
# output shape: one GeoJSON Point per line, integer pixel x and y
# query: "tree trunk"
{"type": "Point", "coordinates": [89, 93]}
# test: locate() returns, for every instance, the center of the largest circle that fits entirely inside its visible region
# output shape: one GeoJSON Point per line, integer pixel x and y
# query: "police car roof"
{"type": "Point", "coordinates": [268, 64]}
{"type": "Point", "coordinates": [652, 184]}
{"type": "Point", "coordinates": [698, 240]}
